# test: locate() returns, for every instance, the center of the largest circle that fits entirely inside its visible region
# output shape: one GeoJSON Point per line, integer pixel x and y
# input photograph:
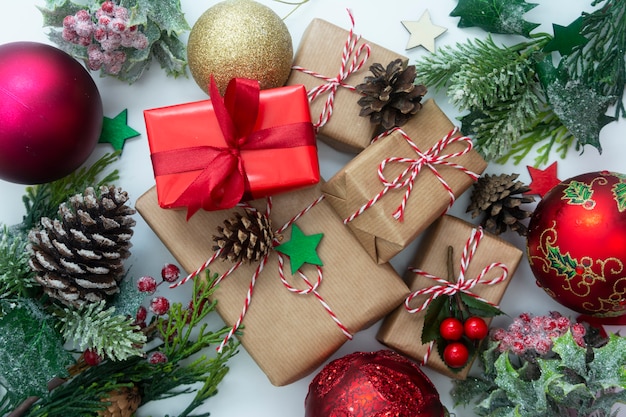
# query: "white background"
{"type": "Point", "coordinates": [246, 391]}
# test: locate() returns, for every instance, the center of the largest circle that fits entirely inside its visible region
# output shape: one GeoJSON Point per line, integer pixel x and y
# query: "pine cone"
{"type": "Point", "coordinates": [79, 258]}
{"type": "Point", "coordinates": [247, 237]}
{"type": "Point", "coordinates": [123, 403]}
{"type": "Point", "coordinates": [391, 97]}
{"type": "Point", "coordinates": [499, 198]}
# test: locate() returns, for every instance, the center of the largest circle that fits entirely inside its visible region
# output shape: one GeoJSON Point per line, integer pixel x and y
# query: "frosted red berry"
{"type": "Point", "coordinates": [455, 355]}
{"type": "Point", "coordinates": [159, 305]}
{"type": "Point", "coordinates": [141, 315]}
{"type": "Point", "coordinates": [451, 328]}
{"type": "Point", "coordinates": [147, 284]}
{"type": "Point", "coordinates": [91, 357]}
{"type": "Point", "coordinates": [170, 273]}
{"type": "Point", "coordinates": [475, 328]}
{"type": "Point", "coordinates": [157, 357]}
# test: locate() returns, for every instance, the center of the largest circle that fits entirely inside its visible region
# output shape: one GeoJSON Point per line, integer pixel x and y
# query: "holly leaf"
{"type": "Point", "coordinates": [564, 264]}
{"type": "Point", "coordinates": [436, 311]}
{"type": "Point", "coordinates": [56, 10]}
{"type": "Point", "coordinates": [477, 307]}
{"type": "Point", "coordinates": [606, 371]}
{"type": "Point", "coordinates": [579, 193]}
{"type": "Point", "coordinates": [167, 14]}
{"type": "Point", "coordinates": [495, 16]}
{"type": "Point", "coordinates": [31, 351]}
{"type": "Point", "coordinates": [619, 192]}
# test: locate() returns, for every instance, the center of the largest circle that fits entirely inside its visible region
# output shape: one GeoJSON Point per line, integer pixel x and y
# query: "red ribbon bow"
{"type": "Point", "coordinates": [222, 182]}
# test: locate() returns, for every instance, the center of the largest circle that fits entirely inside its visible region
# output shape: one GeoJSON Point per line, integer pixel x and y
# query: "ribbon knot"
{"type": "Point", "coordinates": [462, 284]}
{"type": "Point", "coordinates": [357, 57]}
{"type": "Point", "coordinates": [311, 287]}
{"type": "Point", "coordinates": [222, 182]}
{"type": "Point", "coordinates": [431, 158]}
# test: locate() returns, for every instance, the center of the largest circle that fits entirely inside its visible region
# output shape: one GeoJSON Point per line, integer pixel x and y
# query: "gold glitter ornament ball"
{"type": "Point", "coordinates": [240, 39]}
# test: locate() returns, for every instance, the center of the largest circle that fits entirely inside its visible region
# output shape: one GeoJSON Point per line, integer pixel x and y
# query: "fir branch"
{"type": "Point", "coordinates": [16, 277]}
{"type": "Point", "coordinates": [111, 335]}
{"type": "Point", "coordinates": [43, 200]}
{"type": "Point", "coordinates": [600, 62]}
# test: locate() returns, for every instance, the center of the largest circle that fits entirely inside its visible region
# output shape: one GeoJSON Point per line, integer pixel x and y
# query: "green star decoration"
{"type": "Point", "coordinates": [301, 248]}
{"type": "Point", "coordinates": [566, 38]}
{"type": "Point", "coordinates": [116, 130]}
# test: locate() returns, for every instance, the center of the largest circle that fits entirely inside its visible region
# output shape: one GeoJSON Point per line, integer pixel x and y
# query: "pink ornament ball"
{"type": "Point", "coordinates": [50, 113]}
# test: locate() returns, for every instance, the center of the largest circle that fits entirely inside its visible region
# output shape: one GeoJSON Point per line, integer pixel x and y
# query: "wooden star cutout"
{"type": "Point", "coordinates": [542, 180]}
{"type": "Point", "coordinates": [566, 38]}
{"type": "Point", "coordinates": [423, 32]}
{"type": "Point", "coordinates": [301, 248]}
{"type": "Point", "coordinates": [116, 130]}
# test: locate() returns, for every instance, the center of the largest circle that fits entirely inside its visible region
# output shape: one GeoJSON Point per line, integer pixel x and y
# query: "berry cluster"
{"type": "Point", "coordinates": [104, 35]}
{"type": "Point", "coordinates": [453, 330]}
{"type": "Point", "coordinates": [534, 335]}
{"type": "Point", "coordinates": [147, 284]}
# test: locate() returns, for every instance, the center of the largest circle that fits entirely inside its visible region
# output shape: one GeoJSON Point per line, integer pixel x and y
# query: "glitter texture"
{"type": "Point", "coordinates": [374, 384]}
{"type": "Point", "coordinates": [240, 39]}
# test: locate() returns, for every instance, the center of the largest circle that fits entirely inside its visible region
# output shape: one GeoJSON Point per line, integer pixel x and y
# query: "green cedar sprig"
{"type": "Point", "coordinates": [97, 327]}
{"type": "Point", "coordinates": [184, 369]}
{"type": "Point", "coordinates": [43, 200]}
{"type": "Point", "coordinates": [587, 381]}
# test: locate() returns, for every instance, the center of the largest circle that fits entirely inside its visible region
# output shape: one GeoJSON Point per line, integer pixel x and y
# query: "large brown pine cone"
{"type": "Point", "coordinates": [246, 237]}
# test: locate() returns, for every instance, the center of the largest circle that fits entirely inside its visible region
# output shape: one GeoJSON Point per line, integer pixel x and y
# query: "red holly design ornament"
{"type": "Point", "coordinates": [372, 384]}
{"type": "Point", "coordinates": [577, 243]}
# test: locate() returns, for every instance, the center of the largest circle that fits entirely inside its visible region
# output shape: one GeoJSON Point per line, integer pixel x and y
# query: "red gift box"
{"type": "Point", "coordinates": [212, 154]}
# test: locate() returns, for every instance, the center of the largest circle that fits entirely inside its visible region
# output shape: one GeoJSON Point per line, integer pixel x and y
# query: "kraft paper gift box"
{"type": "Point", "coordinates": [402, 330]}
{"type": "Point", "coordinates": [212, 154]}
{"type": "Point", "coordinates": [320, 51]}
{"type": "Point", "coordinates": [288, 335]}
{"type": "Point", "coordinates": [358, 183]}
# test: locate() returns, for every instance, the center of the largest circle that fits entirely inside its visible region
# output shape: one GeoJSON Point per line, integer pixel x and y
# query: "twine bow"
{"type": "Point", "coordinates": [311, 287]}
{"type": "Point", "coordinates": [351, 61]}
{"type": "Point", "coordinates": [406, 179]}
{"type": "Point", "coordinates": [444, 287]}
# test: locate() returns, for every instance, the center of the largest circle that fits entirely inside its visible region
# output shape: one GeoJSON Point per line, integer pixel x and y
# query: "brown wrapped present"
{"type": "Point", "coordinates": [319, 64]}
{"type": "Point", "coordinates": [288, 334]}
{"type": "Point", "coordinates": [493, 257]}
{"type": "Point", "coordinates": [423, 167]}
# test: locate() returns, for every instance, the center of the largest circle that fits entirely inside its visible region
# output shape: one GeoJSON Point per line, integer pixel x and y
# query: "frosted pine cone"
{"type": "Point", "coordinates": [79, 257]}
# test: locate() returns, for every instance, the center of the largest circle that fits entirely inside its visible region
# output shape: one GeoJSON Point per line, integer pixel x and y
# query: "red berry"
{"type": "Point", "coordinates": [451, 328]}
{"type": "Point", "coordinates": [476, 328]}
{"type": "Point", "coordinates": [157, 357]}
{"type": "Point", "coordinates": [455, 355]}
{"type": "Point", "coordinates": [141, 315]}
{"type": "Point", "coordinates": [159, 305]}
{"type": "Point", "coordinates": [147, 284]}
{"type": "Point", "coordinates": [91, 357]}
{"type": "Point", "coordinates": [170, 273]}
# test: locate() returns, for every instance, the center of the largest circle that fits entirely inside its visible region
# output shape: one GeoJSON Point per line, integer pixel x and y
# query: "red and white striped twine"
{"type": "Point", "coordinates": [406, 178]}
{"type": "Point", "coordinates": [311, 288]}
{"type": "Point", "coordinates": [462, 284]}
{"type": "Point", "coordinates": [351, 61]}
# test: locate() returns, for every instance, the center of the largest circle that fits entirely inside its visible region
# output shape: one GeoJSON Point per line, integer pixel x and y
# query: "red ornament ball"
{"type": "Point", "coordinates": [50, 113]}
{"type": "Point", "coordinates": [577, 243]}
{"type": "Point", "coordinates": [373, 384]}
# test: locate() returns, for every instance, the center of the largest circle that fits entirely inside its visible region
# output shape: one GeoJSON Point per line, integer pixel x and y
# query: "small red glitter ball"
{"type": "Point", "coordinates": [373, 384]}
{"type": "Point", "coordinates": [577, 243]}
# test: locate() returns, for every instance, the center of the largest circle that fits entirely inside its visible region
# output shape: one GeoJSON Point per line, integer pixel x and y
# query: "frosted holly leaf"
{"type": "Point", "coordinates": [581, 109]}
{"type": "Point", "coordinates": [31, 352]}
{"type": "Point", "coordinates": [495, 16]}
{"type": "Point", "coordinates": [167, 14]}
{"type": "Point", "coordinates": [56, 10]}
